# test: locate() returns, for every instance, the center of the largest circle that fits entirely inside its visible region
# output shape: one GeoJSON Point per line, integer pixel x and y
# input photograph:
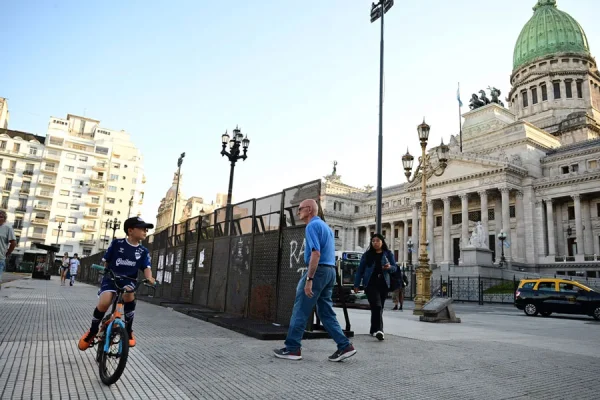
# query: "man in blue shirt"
{"type": "Point", "coordinates": [315, 288]}
{"type": "Point", "coordinates": [124, 257]}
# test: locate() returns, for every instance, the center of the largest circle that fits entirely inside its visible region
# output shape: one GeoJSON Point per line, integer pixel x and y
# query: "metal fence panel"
{"type": "Point", "coordinates": [218, 276]}
{"type": "Point", "coordinates": [189, 268]}
{"type": "Point", "coordinates": [263, 296]}
{"type": "Point", "coordinates": [238, 279]}
{"type": "Point", "coordinates": [202, 274]}
{"type": "Point", "coordinates": [167, 282]}
{"type": "Point", "coordinates": [291, 268]}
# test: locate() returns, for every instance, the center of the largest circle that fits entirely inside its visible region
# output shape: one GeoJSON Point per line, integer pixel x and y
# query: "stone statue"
{"type": "Point", "coordinates": [495, 93]}
{"type": "Point", "coordinates": [484, 97]}
{"type": "Point", "coordinates": [334, 168]}
{"type": "Point", "coordinates": [477, 237]}
{"type": "Point", "coordinates": [475, 102]}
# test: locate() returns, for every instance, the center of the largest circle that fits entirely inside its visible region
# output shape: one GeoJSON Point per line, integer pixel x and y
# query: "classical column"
{"type": "Point", "coordinates": [561, 245]}
{"type": "Point", "coordinates": [483, 198]}
{"type": "Point", "coordinates": [401, 243]}
{"type": "Point", "coordinates": [464, 237]}
{"type": "Point", "coordinates": [415, 233]}
{"type": "Point", "coordinates": [520, 234]}
{"type": "Point", "coordinates": [550, 222]}
{"type": "Point", "coordinates": [446, 228]}
{"type": "Point", "coordinates": [392, 244]}
{"type": "Point", "coordinates": [587, 224]}
{"type": "Point", "coordinates": [578, 225]}
{"type": "Point", "coordinates": [356, 241]}
{"type": "Point", "coordinates": [405, 240]}
{"type": "Point", "coordinates": [431, 250]}
{"type": "Point", "coordinates": [506, 221]}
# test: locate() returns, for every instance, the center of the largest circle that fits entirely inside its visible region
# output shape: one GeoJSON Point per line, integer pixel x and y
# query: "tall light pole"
{"type": "Point", "coordinates": [114, 225]}
{"type": "Point", "coordinates": [378, 11]}
{"type": "Point", "coordinates": [105, 239]}
{"type": "Point", "coordinates": [130, 204]}
{"type": "Point", "coordinates": [502, 237]}
{"type": "Point", "coordinates": [424, 170]}
{"type": "Point", "coordinates": [234, 154]}
{"type": "Point", "coordinates": [179, 162]}
{"type": "Point", "coordinates": [59, 230]}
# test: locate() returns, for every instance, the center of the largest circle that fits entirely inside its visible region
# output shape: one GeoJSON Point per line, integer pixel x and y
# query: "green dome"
{"type": "Point", "coordinates": [549, 31]}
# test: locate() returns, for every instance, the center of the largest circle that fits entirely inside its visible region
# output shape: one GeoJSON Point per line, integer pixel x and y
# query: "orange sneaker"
{"type": "Point", "coordinates": [131, 340]}
{"type": "Point", "coordinates": [86, 341]}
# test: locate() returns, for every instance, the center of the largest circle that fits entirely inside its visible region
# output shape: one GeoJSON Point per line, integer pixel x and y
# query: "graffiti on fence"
{"type": "Point", "coordinates": [190, 265]}
{"type": "Point", "coordinates": [178, 260]}
{"type": "Point", "coordinates": [240, 255]}
{"type": "Point", "coordinates": [296, 256]}
{"type": "Point", "coordinates": [201, 259]}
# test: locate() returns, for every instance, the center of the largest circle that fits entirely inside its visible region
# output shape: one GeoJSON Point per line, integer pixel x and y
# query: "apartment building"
{"type": "Point", "coordinates": [20, 158]}
{"type": "Point", "coordinates": [88, 176]}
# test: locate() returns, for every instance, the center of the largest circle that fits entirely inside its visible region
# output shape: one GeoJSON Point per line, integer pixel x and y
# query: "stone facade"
{"type": "Point", "coordinates": [532, 171]}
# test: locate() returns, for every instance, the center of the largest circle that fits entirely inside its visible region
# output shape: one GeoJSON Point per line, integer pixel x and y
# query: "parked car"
{"type": "Point", "coordinates": [546, 296]}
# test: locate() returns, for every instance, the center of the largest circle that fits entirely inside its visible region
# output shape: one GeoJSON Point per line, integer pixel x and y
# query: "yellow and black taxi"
{"type": "Point", "coordinates": [546, 296]}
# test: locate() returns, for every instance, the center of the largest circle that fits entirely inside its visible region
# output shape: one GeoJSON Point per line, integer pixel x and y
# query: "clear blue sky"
{"type": "Point", "coordinates": [292, 74]}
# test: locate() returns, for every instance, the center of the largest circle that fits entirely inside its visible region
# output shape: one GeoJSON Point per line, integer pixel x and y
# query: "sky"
{"type": "Point", "coordinates": [300, 78]}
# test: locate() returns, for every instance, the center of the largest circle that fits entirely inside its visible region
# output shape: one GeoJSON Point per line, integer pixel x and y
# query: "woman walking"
{"type": "Point", "coordinates": [64, 266]}
{"type": "Point", "coordinates": [74, 265]}
{"type": "Point", "coordinates": [374, 271]}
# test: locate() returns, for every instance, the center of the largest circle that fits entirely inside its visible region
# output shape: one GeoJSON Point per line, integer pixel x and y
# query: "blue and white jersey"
{"type": "Point", "coordinates": [126, 259]}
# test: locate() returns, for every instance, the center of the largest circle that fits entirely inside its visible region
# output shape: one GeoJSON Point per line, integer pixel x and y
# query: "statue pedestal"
{"type": "Point", "coordinates": [479, 256]}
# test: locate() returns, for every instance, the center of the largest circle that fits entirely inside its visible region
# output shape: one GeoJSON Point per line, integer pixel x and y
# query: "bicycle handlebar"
{"type": "Point", "coordinates": [113, 277]}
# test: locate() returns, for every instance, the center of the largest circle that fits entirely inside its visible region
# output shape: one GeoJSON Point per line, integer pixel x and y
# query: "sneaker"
{"type": "Point", "coordinates": [379, 335]}
{"type": "Point", "coordinates": [86, 341]}
{"type": "Point", "coordinates": [288, 355]}
{"type": "Point", "coordinates": [395, 308]}
{"type": "Point", "coordinates": [131, 340]}
{"type": "Point", "coordinates": [340, 355]}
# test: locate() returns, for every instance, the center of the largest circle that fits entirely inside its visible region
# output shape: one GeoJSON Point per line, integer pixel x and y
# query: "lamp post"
{"type": "Point", "coordinates": [179, 162]}
{"type": "Point", "coordinates": [106, 224]}
{"type": "Point", "coordinates": [410, 245]}
{"type": "Point", "coordinates": [378, 11]}
{"type": "Point", "coordinates": [502, 238]}
{"type": "Point", "coordinates": [130, 204]}
{"type": "Point", "coordinates": [234, 154]}
{"type": "Point", "coordinates": [59, 230]}
{"type": "Point", "coordinates": [114, 225]}
{"type": "Point", "coordinates": [424, 170]}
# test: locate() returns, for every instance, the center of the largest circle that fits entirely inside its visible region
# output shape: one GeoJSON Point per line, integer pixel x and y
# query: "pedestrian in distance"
{"type": "Point", "coordinates": [64, 266]}
{"type": "Point", "coordinates": [374, 271]}
{"type": "Point", "coordinates": [8, 242]}
{"type": "Point", "coordinates": [398, 282]}
{"type": "Point", "coordinates": [315, 288]}
{"type": "Point", "coordinates": [73, 267]}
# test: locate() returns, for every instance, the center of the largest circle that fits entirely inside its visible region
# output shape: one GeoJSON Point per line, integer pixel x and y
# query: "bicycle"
{"type": "Point", "coordinates": [112, 337]}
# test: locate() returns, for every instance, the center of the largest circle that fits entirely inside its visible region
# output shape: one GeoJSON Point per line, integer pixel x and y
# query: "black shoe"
{"type": "Point", "coordinates": [340, 355]}
{"type": "Point", "coordinates": [379, 335]}
{"type": "Point", "coordinates": [395, 308]}
{"type": "Point", "coordinates": [288, 355]}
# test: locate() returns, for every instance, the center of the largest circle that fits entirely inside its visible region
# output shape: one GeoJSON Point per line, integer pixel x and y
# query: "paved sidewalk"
{"type": "Point", "coordinates": [179, 357]}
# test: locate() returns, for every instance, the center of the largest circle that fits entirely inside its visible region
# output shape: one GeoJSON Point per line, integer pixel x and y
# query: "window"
{"type": "Point", "coordinates": [547, 286]}
{"type": "Point", "coordinates": [512, 212]}
{"type": "Point", "coordinates": [70, 156]}
{"type": "Point", "coordinates": [77, 195]}
{"type": "Point", "coordinates": [67, 248]}
{"type": "Point", "coordinates": [565, 170]}
{"type": "Point", "coordinates": [66, 181]}
{"type": "Point", "coordinates": [59, 218]}
{"type": "Point", "coordinates": [86, 252]}
{"type": "Point", "coordinates": [395, 232]}
{"type": "Point", "coordinates": [74, 207]}
{"type": "Point", "coordinates": [65, 193]}
{"type": "Point", "coordinates": [3, 144]}
{"type": "Point", "coordinates": [78, 182]}
{"type": "Point", "coordinates": [456, 219]}
{"type": "Point", "coordinates": [4, 202]}
{"type": "Point", "coordinates": [475, 216]}
{"type": "Point", "coordinates": [33, 151]}
{"type": "Point", "coordinates": [116, 165]}
{"type": "Point", "coordinates": [113, 177]}
{"type": "Point", "coordinates": [112, 188]}
{"type": "Point", "coordinates": [69, 168]}
{"type": "Point", "coordinates": [525, 98]}
{"type": "Point", "coordinates": [569, 88]}
{"type": "Point", "coordinates": [17, 147]}
{"type": "Point", "coordinates": [28, 169]}
{"type": "Point", "coordinates": [134, 180]}
{"type": "Point", "coordinates": [62, 205]}
{"type": "Point", "coordinates": [110, 200]}
{"type": "Point", "coordinates": [83, 158]}
{"type": "Point", "coordinates": [108, 212]}
{"type": "Point", "coordinates": [38, 230]}
{"type": "Point", "coordinates": [575, 168]}
{"type": "Point", "coordinates": [528, 285]}
{"type": "Point", "coordinates": [356, 209]}
{"type": "Point", "coordinates": [18, 224]}
{"type": "Point", "coordinates": [567, 287]}
{"type": "Point", "coordinates": [491, 214]}
{"type": "Point", "coordinates": [93, 211]}
{"type": "Point", "coordinates": [544, 92]}
{"type": "Point", "coordinates": [101, 150]}
{"type": "Point", "coordinates": [409, 233]}
{"type": "Point", "coordinates": [571, 212]}
{"type": "Point", "coordinates": [8, 184]}
{"type": "Point", "coordinates": [556, 90]}
{"type": "Point", "coordinates": [337, 234]}
{"type": "Point", "coordinates": [96, 200]}
{"type": "Point", "coordinates": [439, 220]}
{"type": "Point", "coordinates": [593, 164]}
{"type": "Point", "coordinates": [72, 220]}
{"type": "Point", "coordinates": [70, 234]}
{"type": "Point", "coordinates": [81, 171]}
{"type": "Point", "coordinates": [534, 98]}
{"type": "Point", "coordinates": [579, 85]}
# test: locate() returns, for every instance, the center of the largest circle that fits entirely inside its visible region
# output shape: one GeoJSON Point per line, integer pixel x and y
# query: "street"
{"type": "Point", "coordinates": [495, 353]}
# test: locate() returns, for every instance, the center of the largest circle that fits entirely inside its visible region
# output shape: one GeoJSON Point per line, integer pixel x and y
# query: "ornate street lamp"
{"type": "Point", "coordinates": [424, 171]}
{"type": "Point", "coordinates": [59, 230]}
{"type": "Point", "coordinates": [410, 245]}
{"type": "Point", "coordinates": [179, 162]}
{"type": "Point", "coordinates": [502, 238]}
{"type": "Point", "coordinates": [114, 225]}
{"type": "Point", "coordinates": [234, 154]}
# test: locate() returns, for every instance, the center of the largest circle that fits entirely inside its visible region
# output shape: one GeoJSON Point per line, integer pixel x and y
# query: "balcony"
{"type": "Point", "coordinates": [92, 203]}
{"type": "Point", "coordinates": [41, 207]}
{"type": "Point", "coordinates": [18, 227]}
{"type": "Point", "coordinates": [10, 171]}
{"type": "Point", "coordinates": [101, 166]}
{"type": "Point", "coordinates": [98, 178]}
{"type": "Point", "coordinates": [59, 219]}
{"type": "Point", "coordinates": [39, 221]}
{"type": "Point", "coordinates": [97, 188]}
{"type": "Point", "coordinates": [20, 210]}
{"type": "Point", "coordinates": [55, 142]}
{"type": "Point", "coordinates": [7, 188]}
{"type": "Point", "coordinates": [91, 215]}
{"type": "Point", "coordinates": [49, 169]}
{"type": "Point", "coordinates": [41, 236]}
{"type": "Point", "coordinates": [47, 181]}
{"type": "Point", "coordinates": [87, 242]}
{"type": "Point", "coordinates": [89, 228]}
{"type": "Point", "coordinates": [27, 174]}
{"type": "Point", "coordinates": [24, 191]}
{"type": "Point", "coordinates": [52, 156]}
{"type": "Point", "coordinates": [46, 194]}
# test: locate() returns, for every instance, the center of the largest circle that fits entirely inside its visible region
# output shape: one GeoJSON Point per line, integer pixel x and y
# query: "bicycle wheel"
{"type": "Point", "coordinates": [112, 363]}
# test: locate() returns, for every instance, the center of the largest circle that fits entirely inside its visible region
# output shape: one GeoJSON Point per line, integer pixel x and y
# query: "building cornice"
{"type": "Point", "coordinates": [558, 181]}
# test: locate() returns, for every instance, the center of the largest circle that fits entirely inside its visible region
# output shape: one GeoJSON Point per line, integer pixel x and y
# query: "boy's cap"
{"type": "Point", "coordinates": [136, 222]}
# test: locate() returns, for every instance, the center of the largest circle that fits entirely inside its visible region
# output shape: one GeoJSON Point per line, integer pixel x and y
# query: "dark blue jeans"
{"type": "Point", "coordinates": [324, 280]}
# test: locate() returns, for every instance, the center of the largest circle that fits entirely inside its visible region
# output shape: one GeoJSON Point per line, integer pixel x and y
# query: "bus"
{"type": "Point", "coordinates": [347, 263]}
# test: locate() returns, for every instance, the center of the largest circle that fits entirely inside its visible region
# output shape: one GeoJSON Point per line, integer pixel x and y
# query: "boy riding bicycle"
{"type": "Point", "coordinates": [123, 257]}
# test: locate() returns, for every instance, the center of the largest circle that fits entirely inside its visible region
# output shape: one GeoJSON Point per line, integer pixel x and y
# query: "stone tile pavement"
{"type": "Point", "coordinates": [179, 357]}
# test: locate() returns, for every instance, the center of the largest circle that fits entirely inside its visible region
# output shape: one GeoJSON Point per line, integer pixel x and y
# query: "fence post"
{"type": "Point", "coordinates": [480, 284]}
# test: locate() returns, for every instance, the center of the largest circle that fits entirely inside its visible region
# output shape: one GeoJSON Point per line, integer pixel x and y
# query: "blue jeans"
{"type": "Point", "coordinates": [324, 280]}
{"type": "Point", "coordinates": [2, 267]}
